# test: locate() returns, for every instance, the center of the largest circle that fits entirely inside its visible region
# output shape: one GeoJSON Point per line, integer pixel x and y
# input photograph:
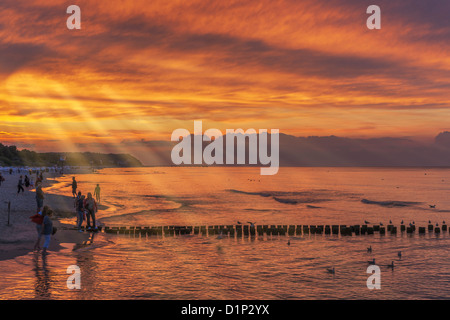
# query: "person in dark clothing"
{"type": "Point", "coordinates": [74, 187]}
{"type": "Point", "coordinates": [20, 186]}
{"type": "Point", "coordinates": [39, 196]}
{"type": "Point", "coordinates": [27, 182]}
{"type": "Point", "coordinates": [91, 206]}
{"type": "Point", "coordinates": [79, 207]}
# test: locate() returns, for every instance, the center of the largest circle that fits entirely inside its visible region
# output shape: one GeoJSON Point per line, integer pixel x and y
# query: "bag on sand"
{"type": "Point", "coordinates": [54, 230]}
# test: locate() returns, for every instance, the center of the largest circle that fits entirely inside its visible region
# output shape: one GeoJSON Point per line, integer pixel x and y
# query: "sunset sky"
{"type": "Point", "coordinates": [137, 70]}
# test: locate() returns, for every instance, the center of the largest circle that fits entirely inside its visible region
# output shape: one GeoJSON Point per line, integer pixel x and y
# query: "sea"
{"type": "Point", "coordinates": [274, 267]}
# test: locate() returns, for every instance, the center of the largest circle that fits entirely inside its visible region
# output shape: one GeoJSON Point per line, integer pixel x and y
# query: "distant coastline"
{"type": "Point", "coordinates": [10, 156]}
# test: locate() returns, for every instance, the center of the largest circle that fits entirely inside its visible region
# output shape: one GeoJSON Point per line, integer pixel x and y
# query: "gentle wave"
{"type": "Point", "coordinates": [391, 203]}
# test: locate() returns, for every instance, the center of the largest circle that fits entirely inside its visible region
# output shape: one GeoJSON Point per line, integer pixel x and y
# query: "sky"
{"type": "Point", "coordinates": [137, 70]}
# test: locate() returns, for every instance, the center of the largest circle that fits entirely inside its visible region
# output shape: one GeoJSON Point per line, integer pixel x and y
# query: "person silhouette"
{"type": "Point", "coordinates": [97, 193]}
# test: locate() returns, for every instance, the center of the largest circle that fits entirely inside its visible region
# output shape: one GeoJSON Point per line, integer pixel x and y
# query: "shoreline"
{"type": "Point", "coordinates": [18, 238]}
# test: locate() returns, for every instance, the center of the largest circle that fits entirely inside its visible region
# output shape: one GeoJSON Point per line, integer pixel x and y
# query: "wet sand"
{"type": "Point", "coordinates": [18, 238]}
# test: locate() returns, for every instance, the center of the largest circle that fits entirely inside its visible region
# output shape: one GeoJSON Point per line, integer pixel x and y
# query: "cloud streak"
{"type": "Point", "coordinates": [140, 70]}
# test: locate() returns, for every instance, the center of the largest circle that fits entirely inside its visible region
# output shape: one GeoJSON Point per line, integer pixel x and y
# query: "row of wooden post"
{"type": "Point", "coordinates": [291, 230]}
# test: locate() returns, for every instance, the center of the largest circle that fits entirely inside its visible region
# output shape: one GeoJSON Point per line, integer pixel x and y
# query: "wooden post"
{"type": "Point", "coordinates": [335, 229]}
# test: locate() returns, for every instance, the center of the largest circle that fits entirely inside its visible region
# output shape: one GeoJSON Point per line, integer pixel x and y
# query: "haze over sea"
{"type": "Point", "coordinates": [205, 267]}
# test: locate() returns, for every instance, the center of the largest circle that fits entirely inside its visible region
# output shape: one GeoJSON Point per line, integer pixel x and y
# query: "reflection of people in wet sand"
{"type": "Point", "coordinates": [85, 243]}
{"type": "Point", "coordinates": [97, 193]}
{"type": "Point", "coordinates": [43, 280]}
{"type": "Point", "coordinates": [86, 260]}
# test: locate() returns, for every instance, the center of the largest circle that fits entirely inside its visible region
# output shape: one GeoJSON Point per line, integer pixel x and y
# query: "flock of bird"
{"type": "Point", "coordinates": [402, 223]}
{"type": "Point", "coordinates": [369, 249]}
{"type": "Point", "coordinates": [371, 262]}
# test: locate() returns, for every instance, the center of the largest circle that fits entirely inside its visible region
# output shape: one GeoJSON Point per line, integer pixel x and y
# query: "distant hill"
{"type": "Point", "coordinates": [329, 151]}
{"type": "Point", "coordinates": [11, 156]}
{"type": "Point", "coordinates": [310, 151]}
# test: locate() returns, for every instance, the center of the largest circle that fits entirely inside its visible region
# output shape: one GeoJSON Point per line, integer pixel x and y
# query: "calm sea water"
{"type": "Point", "coordinates": [205, 267]}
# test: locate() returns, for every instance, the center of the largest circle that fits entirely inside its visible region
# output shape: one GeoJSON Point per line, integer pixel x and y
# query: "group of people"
{"type": "Point", "coordinates": [29, 182]}
{"type": "Point", "coordinates": [85, 206]}
{"type": "Point", "coordinates": [44, 223]}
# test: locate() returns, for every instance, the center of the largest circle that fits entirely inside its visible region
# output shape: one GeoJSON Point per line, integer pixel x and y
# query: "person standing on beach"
{"type": "Point", "coordinates": [97, 193]}
{"type": "Point", "coordinates": [79, 207]}
{"type": "Point", "coordinates": [20, 186]}
{"type": "Point", "coordinates": [27, 182]}
{"type": "Point", "coordinates": [81, 212]}
{"type": "Point", "coordinates": [38, 218]}
{"type": "Point", "coordinates": [1, 179]}
{"type": "Point", "coordinates": [91, 206]}
{"type": "Point", "coordinates": [38, 179]}
{"type": "Point", "coordinates": [74, 187]}
{"type": "Point", "coordinates": [39, 196]}
{"type": "Point", "coordinates": [46, 231]}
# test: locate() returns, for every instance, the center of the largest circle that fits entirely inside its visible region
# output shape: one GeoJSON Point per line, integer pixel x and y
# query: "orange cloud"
{"type": "Point", "coordinates": [140, 69]}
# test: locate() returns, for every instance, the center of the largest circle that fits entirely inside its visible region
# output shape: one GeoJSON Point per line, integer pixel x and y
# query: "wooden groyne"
{"type": "Point", "coordinates": [272, 230]}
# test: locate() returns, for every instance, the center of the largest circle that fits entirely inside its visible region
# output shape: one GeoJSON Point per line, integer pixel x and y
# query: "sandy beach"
{"type": "Point", "coordinates": [18, 238]}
